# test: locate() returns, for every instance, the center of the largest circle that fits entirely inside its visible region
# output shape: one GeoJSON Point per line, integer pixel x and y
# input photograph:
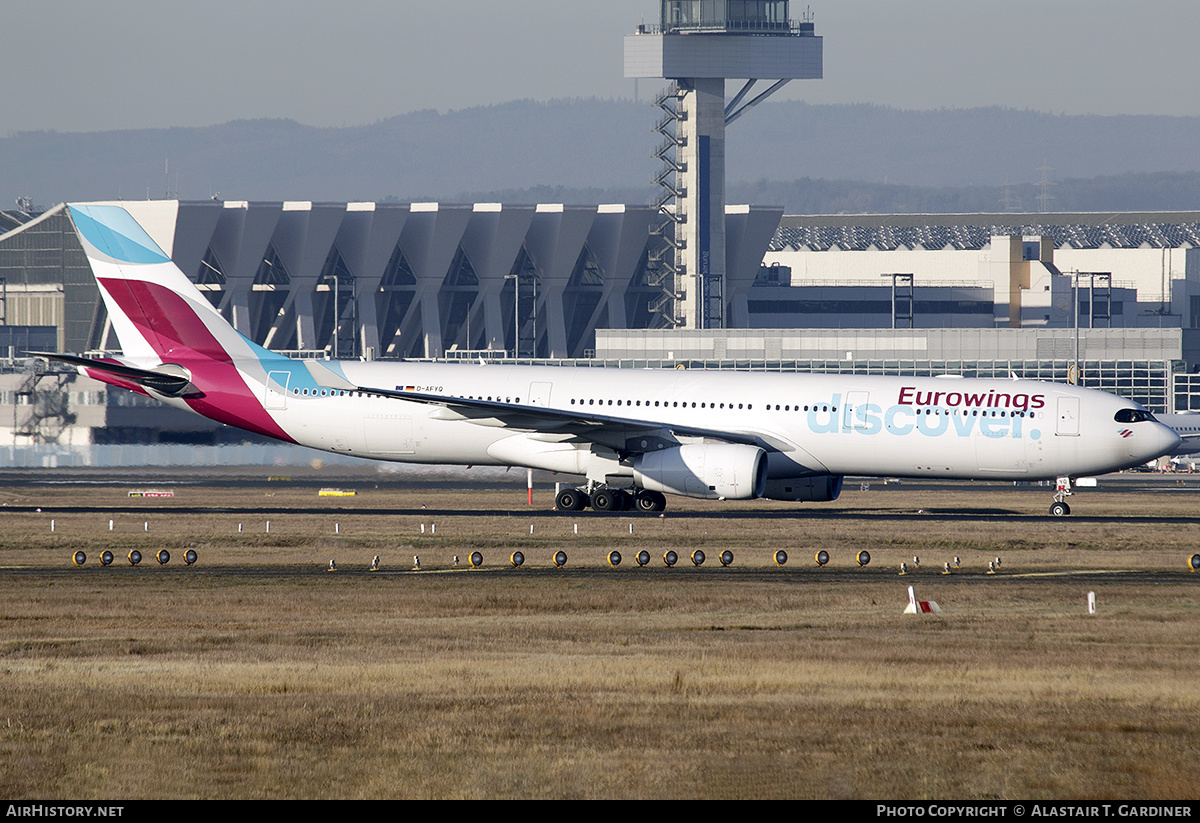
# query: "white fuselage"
{"type": "Point", "coordinates": [813, 424]}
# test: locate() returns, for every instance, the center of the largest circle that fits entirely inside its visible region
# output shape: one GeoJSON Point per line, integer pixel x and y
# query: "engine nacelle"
{"type": "Point", "coordinates": [710, 471]}
{"type": "Point", "coordinates": [525, 450]}
{"type": "Point", "coordinates": [819, 488]}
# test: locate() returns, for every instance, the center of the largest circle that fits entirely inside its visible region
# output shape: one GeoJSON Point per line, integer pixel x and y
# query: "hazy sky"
{"type": "Point", "coordinates": [81, 65]}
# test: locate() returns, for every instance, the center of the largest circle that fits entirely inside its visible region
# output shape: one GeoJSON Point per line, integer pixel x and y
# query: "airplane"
{"type": "Point", "coordinates": [635, 435]}
{"type": "Point", "coordinates": [1187, 426]}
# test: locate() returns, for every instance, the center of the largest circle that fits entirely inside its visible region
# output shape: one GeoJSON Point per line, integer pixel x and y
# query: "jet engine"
{"type": "Point", "coordinates": [819, 488]}
{"type": "Point", "coordinates": [707, 470]}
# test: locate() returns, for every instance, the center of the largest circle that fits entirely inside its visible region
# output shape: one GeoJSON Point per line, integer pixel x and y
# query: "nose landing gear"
{"type": "Point", "coordinates": [1059, 507]}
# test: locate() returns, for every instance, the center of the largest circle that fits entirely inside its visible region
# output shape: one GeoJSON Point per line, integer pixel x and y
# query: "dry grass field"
{"type": "Point", "coordinates": [256, 673]}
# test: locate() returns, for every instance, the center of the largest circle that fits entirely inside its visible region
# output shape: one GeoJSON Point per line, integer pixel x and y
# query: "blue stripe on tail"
{"type": "Point", "coordinates": [113, 232]}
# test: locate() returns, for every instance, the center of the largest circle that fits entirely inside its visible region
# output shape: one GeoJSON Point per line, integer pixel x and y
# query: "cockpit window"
{"type": "Point", "coordinates": [1132, 416]}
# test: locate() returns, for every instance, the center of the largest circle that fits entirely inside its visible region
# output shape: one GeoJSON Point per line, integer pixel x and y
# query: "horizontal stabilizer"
{"type": "Point", "coordinates": [162, 382]}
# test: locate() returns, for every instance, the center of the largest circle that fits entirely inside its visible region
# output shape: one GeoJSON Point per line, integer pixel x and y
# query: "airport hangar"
{"type": "Point", "coordinates": [1028, 295]}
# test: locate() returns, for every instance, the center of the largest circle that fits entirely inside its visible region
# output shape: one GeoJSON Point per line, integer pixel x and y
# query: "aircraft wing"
{"type": "Point", "coordinates": [623, 434]}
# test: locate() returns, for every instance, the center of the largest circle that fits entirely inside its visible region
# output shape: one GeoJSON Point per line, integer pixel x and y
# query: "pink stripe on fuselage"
{"type": "Point", "coordinates": [177, 335]}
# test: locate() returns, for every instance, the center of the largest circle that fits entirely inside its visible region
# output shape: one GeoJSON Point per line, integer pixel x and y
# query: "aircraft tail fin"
{"type": "Point", "coordinates": [159, 316]}
{"type": "Point", "coordinates": [173, 341]}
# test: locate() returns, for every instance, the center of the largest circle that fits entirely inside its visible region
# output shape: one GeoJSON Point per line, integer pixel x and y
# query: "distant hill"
{"type": "Point", "coordinates": [414, 156]}
{"type": "Point", "coordinates": [953, 147]}
{"type": "Point", "coordinates": [811, 159]}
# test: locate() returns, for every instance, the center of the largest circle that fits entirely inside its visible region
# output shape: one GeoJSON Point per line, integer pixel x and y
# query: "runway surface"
{"type": "Point", "coordinates": [1005, 505]}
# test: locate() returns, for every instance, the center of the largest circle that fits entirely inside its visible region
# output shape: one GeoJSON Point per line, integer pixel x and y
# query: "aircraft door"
{"type": "Point", "coordinates": [276, 391]}
{"type": "Point", "coordinates": [853, 413]}
{"type": "Point", "coordinates": [539, 394]}
{"type": "Point", "coordinates": [1068, 417]}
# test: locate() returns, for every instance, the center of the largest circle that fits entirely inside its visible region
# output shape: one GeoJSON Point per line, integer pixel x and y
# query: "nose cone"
{"type": "Point", "coordinates": [1159, 440]}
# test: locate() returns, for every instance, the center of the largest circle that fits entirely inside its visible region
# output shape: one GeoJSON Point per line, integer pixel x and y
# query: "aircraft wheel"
{"type": "Point", "coordinates": [1059, 508]}
{"type": "Point", "coordinates": [651, 502]}
{"type": "Point", "coordinates": [605, 500]}
{"type": "Point", "coordinates": [571, 500]}
{"type": "Point", "coordinates": [625, 501]}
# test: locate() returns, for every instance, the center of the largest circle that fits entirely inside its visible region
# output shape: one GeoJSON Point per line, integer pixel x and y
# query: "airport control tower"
{"type": "Point", "coordinates": [698, 45]}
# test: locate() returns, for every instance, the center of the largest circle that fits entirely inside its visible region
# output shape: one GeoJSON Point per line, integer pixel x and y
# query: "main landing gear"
{"type": "Point", "coordinates": [1059, 507]}
{"type": "Point", "coordinates": [604, 499]}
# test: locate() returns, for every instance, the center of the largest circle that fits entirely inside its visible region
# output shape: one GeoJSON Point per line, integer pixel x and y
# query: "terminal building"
{"type": "Point", "coordinates": [375, 280]}
{"type": "Point", "coordinates": [1112, 300]}
{"type": "Point", "coordinates": [339, 280]}
{"type": "Point", "coordinates": [1003, 270]}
